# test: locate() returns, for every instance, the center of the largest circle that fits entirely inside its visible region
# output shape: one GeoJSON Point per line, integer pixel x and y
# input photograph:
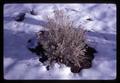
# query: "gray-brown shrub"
{"type": "Point", "coordinates": [65, 43]}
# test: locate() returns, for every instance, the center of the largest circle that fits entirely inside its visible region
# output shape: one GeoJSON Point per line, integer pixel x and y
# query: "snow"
{"type": "Point", "coordinates": [20, 63]}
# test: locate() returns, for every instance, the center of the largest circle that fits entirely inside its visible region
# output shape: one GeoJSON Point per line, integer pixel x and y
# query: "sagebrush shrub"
{"type": "Point", "coordinates": [65, 43]}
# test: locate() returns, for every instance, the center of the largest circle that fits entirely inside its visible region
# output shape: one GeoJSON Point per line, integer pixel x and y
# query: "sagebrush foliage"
{"type": "Point", "coordinates": [65, 43]}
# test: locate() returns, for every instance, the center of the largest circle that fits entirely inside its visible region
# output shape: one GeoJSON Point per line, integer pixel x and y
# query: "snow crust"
{"type": "Point", "coordinates": [20, 63]}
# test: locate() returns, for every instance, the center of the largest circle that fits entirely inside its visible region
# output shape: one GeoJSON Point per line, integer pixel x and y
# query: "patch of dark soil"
{"type": "Point", "coordinates": [76, 67]}
{"type": "Point", "coordinates": [20, 17]}
{"type": "Point", "coordinates": [33, 12]}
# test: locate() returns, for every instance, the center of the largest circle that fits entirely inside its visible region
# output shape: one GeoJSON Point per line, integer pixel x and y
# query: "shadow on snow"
{"type": "Point", "coordinates": [27, 20]}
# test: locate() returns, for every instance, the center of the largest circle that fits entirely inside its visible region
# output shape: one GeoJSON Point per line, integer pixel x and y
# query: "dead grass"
{"type": "Point", "coordinates": [65, 43]}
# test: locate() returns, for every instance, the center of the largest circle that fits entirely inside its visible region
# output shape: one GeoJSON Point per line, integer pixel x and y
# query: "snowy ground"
{"type": "Point", "coordinates": [20, 63]}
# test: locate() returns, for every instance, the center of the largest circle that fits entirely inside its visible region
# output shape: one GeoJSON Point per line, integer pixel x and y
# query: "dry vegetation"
{"type": "Point", "coordinates": [65, 43]}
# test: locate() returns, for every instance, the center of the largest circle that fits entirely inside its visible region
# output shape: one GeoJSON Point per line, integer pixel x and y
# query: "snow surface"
{"type": "Point", "coordinates": [20, 63]}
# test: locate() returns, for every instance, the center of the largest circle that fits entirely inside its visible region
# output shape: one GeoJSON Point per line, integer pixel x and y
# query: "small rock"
{"type": "Point", "coordinates": [89, 19]}
{"type": "Point", "coordinates": [20, 17]}
{"type": "Point", "coordinates": [48, 67]}
{"type": "Point", "coordinates": [33, 12]}
{"type": "Point", "coordinates": [43, 59]}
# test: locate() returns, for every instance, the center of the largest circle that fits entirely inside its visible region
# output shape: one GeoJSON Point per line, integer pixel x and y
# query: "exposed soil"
{"type": "Point", "coordinates": [87, 63]}
{"type": "Point", "coordinates": [20, 17]}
